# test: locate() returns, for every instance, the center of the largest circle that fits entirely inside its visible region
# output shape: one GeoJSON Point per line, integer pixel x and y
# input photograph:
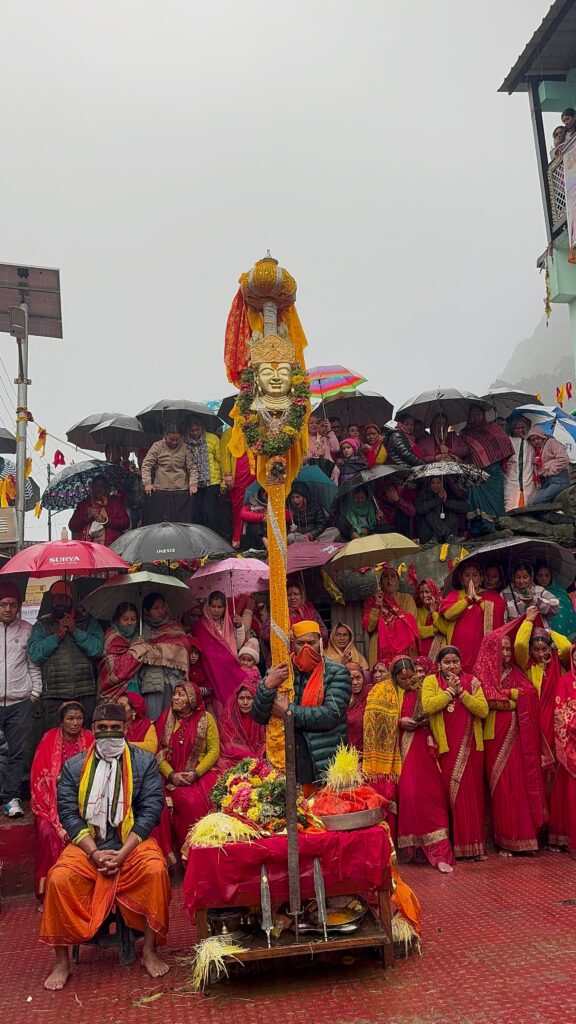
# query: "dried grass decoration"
{"type": "Point", "coordinates": [218, 829]}
{"type": "Point", "coordinates": [208, 963]}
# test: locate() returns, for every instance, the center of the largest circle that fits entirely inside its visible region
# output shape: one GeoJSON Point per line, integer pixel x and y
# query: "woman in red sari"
{"type": "Point", "coordinates": [188, 749]}
{"type": "Point", "coordinates": [432, 628]}
{"type": "Point", "coordinates": [119, 665]}
{"type": "Point", "coordinates": [56, 747]}
{"type": "Point", "coordinates": [357, 706]}
{"type": "Point", "coordinates": [221, 636]}
{"type": "Point", "coordinates": [139, 729]}
{"type": "Point", "coordinates": [390, 619]}
{"type": "Point", "coordinates": [563, 796]}
{"type": "Point", "coordinates": [237, 478]}
{"type": "Point", "coordinates": [240, 735]}
{"type": "Point", "coordinates": [457, 705]}
{"type": "Point", "coordinates": [423, 815]}
{"type": "Point", "coordinates": [511, 746]}
{"type": "Point", "coordinates": [471, 612]}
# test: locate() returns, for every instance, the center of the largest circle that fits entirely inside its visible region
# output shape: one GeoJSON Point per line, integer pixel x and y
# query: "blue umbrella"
{"type": "Point", "coordinates": [321, 487]}
{"type": "Point", "coordinates": [554, 422]}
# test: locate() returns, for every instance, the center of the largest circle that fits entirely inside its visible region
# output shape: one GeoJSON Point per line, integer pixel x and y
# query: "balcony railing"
{"type": "Point", "coordinates": [555, 175]}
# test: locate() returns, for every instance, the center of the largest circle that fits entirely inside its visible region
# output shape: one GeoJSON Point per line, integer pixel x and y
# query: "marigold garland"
{"type": "Point", "coordinates": [249, 421]}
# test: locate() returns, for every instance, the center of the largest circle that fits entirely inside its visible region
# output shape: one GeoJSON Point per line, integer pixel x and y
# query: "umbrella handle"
{"type": "Point", "coordinates": [232, 594]}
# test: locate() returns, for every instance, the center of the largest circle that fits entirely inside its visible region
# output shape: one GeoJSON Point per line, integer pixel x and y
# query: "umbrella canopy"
{"type": "Point", "coordinates": [359, 407]}
{"type": "Point", "coordinates": [72, 484]}
{"type": "Point", "coordinates": [554, 422]}
{"type": "Point", "coordinates": [370, 551]}
{"type": "Point", "coordinates": [134, 587]}
{"type": "Point", "coordinates": [503, 401]}
{"type": "Point", "coordinates": [80, 435]}
{"type": "Point", "coordinates": [226, 406]}
{"type": "Point", "coordinates": [330, 381]}
{"type": "Point", "coordinates": [233, 576]}
{"type": "Point", "coordinates": [367, 477]}
{"type": "Point", "coordinates": [454, 404]}
{"type": "Point", "coordinates": [466, 476]}
{"type": "Point", "coordinates": [155, 418]}
{"type": "Point", "coordinates": [310, 554]}
{"type": "Point", "coordinates": [507, 554]}
{"type": "Point", "coordinates": [124, 431]}
{"type": "Point", "coordinates": [7, 442]}
{"type": "Point", "coordinates": [321, 487]}
{"type": "Point", "coordinates": [171, 542]}
{"type": "Point", "coordinates": [31, 489]}
{"type": "Point", "coordinates": [65, 558]}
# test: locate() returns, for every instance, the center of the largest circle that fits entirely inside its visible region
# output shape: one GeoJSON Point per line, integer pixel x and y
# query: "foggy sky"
{"type": "Point", "coordinates": [154, 151]}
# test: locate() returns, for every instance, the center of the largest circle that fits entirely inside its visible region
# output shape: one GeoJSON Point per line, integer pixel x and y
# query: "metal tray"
{"type": "Point", "coordinates": [356, 819]}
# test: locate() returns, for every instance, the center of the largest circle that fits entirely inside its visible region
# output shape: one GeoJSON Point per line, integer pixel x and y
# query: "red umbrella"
{"type": "Point", "coordinates": [309, 554]}
{"type": "Point", "coordinates": [65, 558]}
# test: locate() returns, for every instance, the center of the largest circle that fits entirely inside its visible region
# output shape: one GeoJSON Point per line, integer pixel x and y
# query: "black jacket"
{"type": "Point", "coordinates": [147, 798]}
{"type": "Point", "coordinates": [321, 728]}
{"type": "Point", "coordinates": [399, 450]}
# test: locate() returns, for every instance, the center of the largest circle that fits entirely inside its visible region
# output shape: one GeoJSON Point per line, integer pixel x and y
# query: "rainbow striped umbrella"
{"type": "Point", "coordinates": [330, 381]}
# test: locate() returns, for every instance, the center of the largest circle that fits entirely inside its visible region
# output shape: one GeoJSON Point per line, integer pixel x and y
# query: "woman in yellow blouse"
{"type": "Point", "coordinates": [140, 731]}
{"type": "Point", "coordinates": [456, 704]}
{"type": "Point", "coordinates": [188, 749]}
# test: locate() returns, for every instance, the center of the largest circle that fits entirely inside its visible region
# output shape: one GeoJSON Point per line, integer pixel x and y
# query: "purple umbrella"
{"type": "Point", "coordinates": [309, 554]}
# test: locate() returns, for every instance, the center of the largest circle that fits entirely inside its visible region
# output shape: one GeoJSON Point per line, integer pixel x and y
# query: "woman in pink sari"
{"type": "Point", "coordinates": [457, 705]}
{"type": "Point", "coordinates": [188, 749]}
{"type": "Point", "coordinates": [240, 735]}
{"type": "Point", "coordinates": [56, 746]}
{"type": "Point", "coordinates": [511, 746]}
{"type": "Point", "coordinates": [562, 832]}
{"type": "Point", "coordinates": [423, 815]}
{"type": "Point", "coordinates": [390, 619]}
{"type": "Point", "coordinates": [221, 637]}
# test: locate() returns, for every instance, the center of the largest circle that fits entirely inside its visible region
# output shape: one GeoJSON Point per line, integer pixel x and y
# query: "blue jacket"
{"type": "Point", "coordinates": [147, 798]}
{"type": "Point", "coordinates": [320, 729]}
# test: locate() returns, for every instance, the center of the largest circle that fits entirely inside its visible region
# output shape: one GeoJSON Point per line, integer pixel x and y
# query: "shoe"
{"type": "Point", "coordinates": [13, 809]}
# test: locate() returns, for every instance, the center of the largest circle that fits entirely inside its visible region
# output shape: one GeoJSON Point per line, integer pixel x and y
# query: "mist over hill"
{"type": "Point", "coordinates": [541, 362]}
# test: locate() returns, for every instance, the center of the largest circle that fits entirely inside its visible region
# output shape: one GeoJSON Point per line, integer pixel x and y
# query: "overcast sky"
{"type": "Point", "coordinates": [154, 151]}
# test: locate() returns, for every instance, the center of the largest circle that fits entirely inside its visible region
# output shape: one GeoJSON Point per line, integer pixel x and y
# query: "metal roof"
{"type": "Point", "coordinates": [551, 52]}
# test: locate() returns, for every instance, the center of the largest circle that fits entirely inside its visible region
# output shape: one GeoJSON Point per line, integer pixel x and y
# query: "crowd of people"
{"type": "Point", "coordinates": [184, 476]}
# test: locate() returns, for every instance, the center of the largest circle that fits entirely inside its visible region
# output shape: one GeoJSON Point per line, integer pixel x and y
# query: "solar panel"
{"type": "Point", "coordinates": [39, 287]}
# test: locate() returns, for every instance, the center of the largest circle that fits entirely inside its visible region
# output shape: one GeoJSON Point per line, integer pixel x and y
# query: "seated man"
{"type": "Point", "coordinates": [321, 696]}
{"type": "Point", "coordinates": [110, 798]}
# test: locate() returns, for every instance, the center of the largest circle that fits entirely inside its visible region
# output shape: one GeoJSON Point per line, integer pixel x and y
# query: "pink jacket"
{"type": "Point", "coordinates": [320, 447]}
{"type": "Point", "coordinates": [552, 458]}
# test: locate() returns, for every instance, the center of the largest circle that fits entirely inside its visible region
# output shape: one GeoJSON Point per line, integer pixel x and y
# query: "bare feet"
{"type": "Point", "coordinates": [481, 856]}
{"type": "Point", "coordinates": [504, 853]}
{"type": "Point", "coordinates": [152, 963]}
{"type": "Point", "coordinates": [445, 868]}
{"type": "Point", "coordinates": [55, 981]}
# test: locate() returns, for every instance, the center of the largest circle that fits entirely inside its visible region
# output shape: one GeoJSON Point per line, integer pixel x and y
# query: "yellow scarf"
{"type": "Point", "coordinates": [86, 780]}
{"type": "Point", "coordinates": [381, 736]}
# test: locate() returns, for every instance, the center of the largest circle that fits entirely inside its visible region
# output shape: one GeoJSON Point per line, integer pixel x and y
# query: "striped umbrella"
{"type": "Point", "coordinates": [330, 381]}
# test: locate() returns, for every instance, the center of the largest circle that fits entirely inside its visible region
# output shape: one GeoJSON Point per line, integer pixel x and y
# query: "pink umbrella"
{"type": "Point", "coordinates": [233, 576]}
{"type": "Point", "coordinates": [309, 554]}
{"type": "Point", "coordinates": [65, 558]}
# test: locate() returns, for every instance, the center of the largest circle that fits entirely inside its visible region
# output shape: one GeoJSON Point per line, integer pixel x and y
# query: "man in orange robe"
{"type": "Point", "coordinates": [110, 798]}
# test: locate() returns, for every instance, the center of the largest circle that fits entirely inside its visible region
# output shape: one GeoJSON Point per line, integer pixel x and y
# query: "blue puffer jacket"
{"type": "Point", "coordinates": [147, 798]}
{"type": "Point", "coordinates": [324, 727]}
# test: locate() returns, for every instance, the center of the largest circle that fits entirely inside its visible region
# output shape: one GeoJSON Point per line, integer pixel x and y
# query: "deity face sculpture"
{"type": "Point", "coordinates": [274, 381]}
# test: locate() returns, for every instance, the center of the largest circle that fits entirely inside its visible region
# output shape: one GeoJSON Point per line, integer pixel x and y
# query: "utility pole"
{"type": "Point", "coordinates": [19, 329]}
{"type": "Point", "coordinates": [49, 477]}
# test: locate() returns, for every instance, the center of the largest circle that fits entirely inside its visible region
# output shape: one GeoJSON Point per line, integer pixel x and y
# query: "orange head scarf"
{"type": "Point", "coordinates": [309, 660]}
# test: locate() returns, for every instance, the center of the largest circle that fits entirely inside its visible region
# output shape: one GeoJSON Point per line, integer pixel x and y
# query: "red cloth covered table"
{"type": "Point", "coordinates": [352, 862]}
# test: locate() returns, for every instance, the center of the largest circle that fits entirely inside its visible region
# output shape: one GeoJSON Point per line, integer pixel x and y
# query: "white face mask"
{"type": "Point", "coordinates": [110, 748]}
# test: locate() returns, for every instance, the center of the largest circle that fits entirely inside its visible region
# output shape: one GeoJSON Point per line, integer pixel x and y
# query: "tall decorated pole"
{"type": "Point", "coordinates": [264, 356]}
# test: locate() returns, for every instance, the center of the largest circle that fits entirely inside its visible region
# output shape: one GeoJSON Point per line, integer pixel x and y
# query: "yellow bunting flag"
{"type": "Point", "coordinates": [38, 510]}
{"type": "Point", "coordinates": [40, 445]}
{"type": "Point", "coordinates": [28, 468]}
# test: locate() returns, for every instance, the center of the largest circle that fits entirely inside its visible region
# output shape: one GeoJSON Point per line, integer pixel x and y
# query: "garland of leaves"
{"type": "Point", "coordinates": [256, 439]}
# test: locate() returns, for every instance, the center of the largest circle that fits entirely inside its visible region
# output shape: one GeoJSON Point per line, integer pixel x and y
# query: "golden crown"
{"type": "Point", "coordinates": [272, 349]}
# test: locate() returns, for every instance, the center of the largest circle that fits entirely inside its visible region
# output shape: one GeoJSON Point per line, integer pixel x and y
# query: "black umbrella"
{"type": "Point", "coordinates": [454, 404]}
{"type": "Point", "coordinates": [171, 542]}
{"type": "Point", "coordinates": [392, 475]}
{"type": "Point", "coordinates": [7, 442]}
{"type": "Point", "coordinates": [359, 407]}
{"type": "Point", "coordinates": [507, 553]}
{"type": "Point", "coordinates": [155, 418]}
{"type": "Point", "coordinates": [80, 435]}
{"type": "Point", "coordinates": [123, 431]}
{"type": "Point", "coordinates": [72, 484]}
{"type": "Point", "coordinates": [226, 407]}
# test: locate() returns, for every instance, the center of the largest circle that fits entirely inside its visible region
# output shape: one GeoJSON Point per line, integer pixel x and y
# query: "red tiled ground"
{"type": "Point", "coordinates": [499, 948]}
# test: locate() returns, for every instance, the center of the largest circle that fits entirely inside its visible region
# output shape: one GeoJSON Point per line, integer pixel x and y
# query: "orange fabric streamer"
{"type": "Point", "coordinates": [37, 510]}
{"type": "Point", "coordinates": [406, 901]}
{"type": "Point", "coordinates": [238, 331]}
{"type": "Point", "coordinates": [79, 898]}
{"type": "Point", "coordinates": [27, 468]}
